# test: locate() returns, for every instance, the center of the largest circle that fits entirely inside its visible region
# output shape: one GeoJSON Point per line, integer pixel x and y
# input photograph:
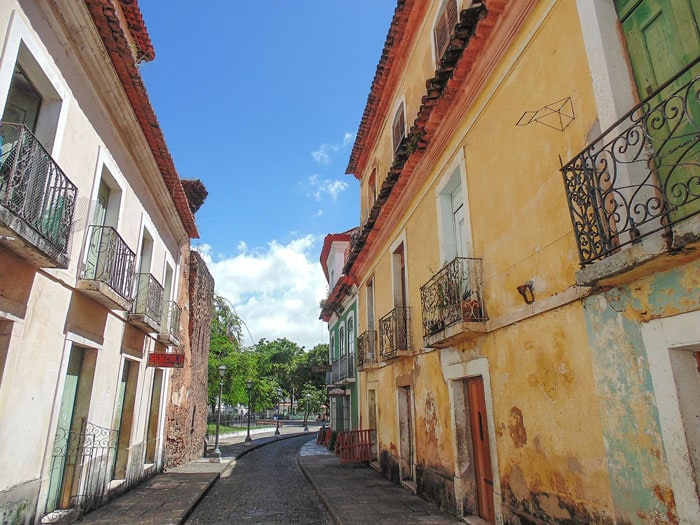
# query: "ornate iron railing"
{"type": "Point", "coordinates": [343, 368]}
{"type": "Point", "coordinates": [453, 294]}
{"type": "Point", "coordinates": [34, 188]}
{"type": "Point", "coordinates": [148, 300]}
{"type": "Point", "coordinates": [394, 332]}
{"type": "Point", "coordinates": [642, 174]}
{"type": "Point", "coordinates": [80, 468]}
{"type": "Point", "coordinates": [110, 260]}
{"type": "Point", "coordinates": [367, 348]}
{"type": "Point", "coordinates": [170, 324]}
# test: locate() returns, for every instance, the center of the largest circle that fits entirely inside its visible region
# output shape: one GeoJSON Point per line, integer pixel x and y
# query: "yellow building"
{"type": "Point", "coordinates": [508, 305]}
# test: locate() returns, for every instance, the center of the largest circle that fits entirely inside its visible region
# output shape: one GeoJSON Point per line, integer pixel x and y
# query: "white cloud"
{"type": "Point", "coordinates": [275, 290]}
{"type": "Point", "coordinates": [323, 154]}
{"type": "Point", "coordinates": [318, 188]}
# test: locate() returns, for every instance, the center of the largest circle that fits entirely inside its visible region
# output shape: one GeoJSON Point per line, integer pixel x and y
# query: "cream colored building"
{"type": "Point", "coordinates": [528, 281]}
{"type": "Point", "coordinates": [95, 231]}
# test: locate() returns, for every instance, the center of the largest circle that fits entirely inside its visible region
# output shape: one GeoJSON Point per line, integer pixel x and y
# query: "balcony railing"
{"type": "Point", "coordinates": [110, 261]}
{"type": "Point", "coordinates": [453, 294]}
{"type": "Point", "coordinates": [34, 189]}
{"type": "Point", "coordinates": [343, 368]}
{"type": "Point", "coordinates": [148, 302]}
{"type": "Point", "coordinates": [367, 348]}
{"type": "Point", "coordinates": [394, 332]}
{"type": "Point", "coordinates": [640, 176]}
{"type": "Point", "coordinates": [170, 323]}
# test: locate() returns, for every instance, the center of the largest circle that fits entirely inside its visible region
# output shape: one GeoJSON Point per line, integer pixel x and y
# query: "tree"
{"type": "Point", "coordinates": [225, 349]}
{"type": "Point", "coordinates": [277, 364]}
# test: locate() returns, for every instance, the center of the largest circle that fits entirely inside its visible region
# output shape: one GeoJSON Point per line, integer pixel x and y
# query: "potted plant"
{"type": "Point", "coordinates": [471, 309]}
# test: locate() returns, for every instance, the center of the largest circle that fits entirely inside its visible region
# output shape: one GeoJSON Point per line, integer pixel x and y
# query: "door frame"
{"type": "Point", "coordinates": [404, 386]}
{"type": "Point", "coordinates": [661, 338]}
{"type": "Point", "coordinates": [456, 374]}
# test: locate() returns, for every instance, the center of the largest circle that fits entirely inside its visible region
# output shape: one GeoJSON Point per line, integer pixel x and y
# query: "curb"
{"type": "Point", "coordinates": [319, 493]}
{"type": "Point", "coordinates": [183, 517]}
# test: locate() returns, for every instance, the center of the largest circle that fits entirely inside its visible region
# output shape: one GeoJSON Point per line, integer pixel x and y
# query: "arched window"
{"type": "Point", "coordinates": [351, 334]}
{"type": "Point", "coordinates": [398, 127]}
{"type": "Point", "coordinates": [341, 341]}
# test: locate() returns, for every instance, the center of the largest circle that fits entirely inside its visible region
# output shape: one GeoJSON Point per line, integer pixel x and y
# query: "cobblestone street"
{"type": "Point", "coordinates": [265, 486]}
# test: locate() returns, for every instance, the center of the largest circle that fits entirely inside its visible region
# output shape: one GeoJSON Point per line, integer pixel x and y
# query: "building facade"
{"type": "Point", "coordinates": [527, 261]}
{"type": "Point", "coordinates": [95, 230]}
{"type": "Point", "coordinates": [340, 312]}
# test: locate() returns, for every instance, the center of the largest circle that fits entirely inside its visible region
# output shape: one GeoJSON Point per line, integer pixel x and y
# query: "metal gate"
{"type": "Point", "coordinates": [80, 467]}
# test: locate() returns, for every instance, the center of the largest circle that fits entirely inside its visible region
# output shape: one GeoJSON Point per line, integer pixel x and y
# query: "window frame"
{"type": "Point", "coordinates": [398, 126]}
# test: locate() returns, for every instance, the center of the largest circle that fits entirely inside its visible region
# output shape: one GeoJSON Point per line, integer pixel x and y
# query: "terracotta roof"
{"type": "Point", "coordinates": [335, 299]}
{"type": "Point", "coordinates": [138, 31]}
{"type": "Point", "coordinates": [466, 44]}
{"type": "Point", "coordinates": [108, 25]}
{"type": "Point", "coordinates": [396, 31]}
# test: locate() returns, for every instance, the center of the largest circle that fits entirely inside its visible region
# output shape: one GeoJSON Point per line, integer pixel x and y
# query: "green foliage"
{"type": "Point", "coordinates": [225, 349]}
{"type": "Point", "coordinates": [271, 365]}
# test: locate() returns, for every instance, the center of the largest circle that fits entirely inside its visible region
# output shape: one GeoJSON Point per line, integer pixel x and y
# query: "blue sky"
{"type": "Point", "coordinates": [261, 101]}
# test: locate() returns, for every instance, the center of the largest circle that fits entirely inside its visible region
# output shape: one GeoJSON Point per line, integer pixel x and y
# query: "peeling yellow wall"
{"type": "Point", "coordinates": [549, 445]}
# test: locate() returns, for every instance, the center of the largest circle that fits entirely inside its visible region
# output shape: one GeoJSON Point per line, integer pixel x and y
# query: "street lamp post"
{"type": "Point", "coordinates": [279, 395]}
{"type": "Point", "coordinates": [306, 417]}
{"type": "Point", "coordinates": [222, 372]}
{"type": "Point", "coordinates": [249, 386]}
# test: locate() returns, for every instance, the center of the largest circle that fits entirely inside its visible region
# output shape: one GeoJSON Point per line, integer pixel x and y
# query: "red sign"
{"type": "Point", "coordinates": [166, 360]}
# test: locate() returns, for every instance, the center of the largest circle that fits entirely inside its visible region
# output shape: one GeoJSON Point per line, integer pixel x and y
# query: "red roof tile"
{"type": "Point", "coordinates": [107, 22]}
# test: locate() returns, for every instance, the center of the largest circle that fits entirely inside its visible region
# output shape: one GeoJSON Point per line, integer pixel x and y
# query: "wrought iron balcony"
{"type": "Point", "coordinates": [452, 295]}
{"type": "Point", "coordinates": [343, 369]}
{"type": "Point", "coordinates": [147, 310]}
{"type": "Point", "coordinates": [366, 349]}
{"type": "Point", "coordinates": [170, 324]}
{"type": "Point", "coordinates": [108, 272]}
{"type": "Point", "coordinates": [394, 332]}
{"type": "Point", "coordinates": [640, 176]}
{"type": "Point", "coordinates": [37, 200]}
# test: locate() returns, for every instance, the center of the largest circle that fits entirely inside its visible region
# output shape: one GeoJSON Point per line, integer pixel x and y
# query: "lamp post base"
{"type": "Point", "coordinates": [215, 457]}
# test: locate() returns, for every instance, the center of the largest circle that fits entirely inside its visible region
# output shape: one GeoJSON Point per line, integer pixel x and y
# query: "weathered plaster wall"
{"type": "Point", "coordinates": [548, 435]}
{"type": "Point", "coordinates": [640, 479]}
{"type": "Point", "coordinates": [186, 416]}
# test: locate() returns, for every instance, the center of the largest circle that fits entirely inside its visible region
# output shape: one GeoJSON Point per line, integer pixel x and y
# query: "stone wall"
{"type": "Point", "coordinates": [186, 417]}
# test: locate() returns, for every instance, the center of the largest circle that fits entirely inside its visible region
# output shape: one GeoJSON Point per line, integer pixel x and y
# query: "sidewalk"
{"type": "Point", "coordinates": [352, 493]}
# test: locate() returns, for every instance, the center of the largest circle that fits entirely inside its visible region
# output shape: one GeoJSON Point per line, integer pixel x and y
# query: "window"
{"type": "Point", "coordinates": [32, 99]}
{"type": "Point", "coordinates": [372, 190]}
{"type": "Point", "coordinates": [23, 101]}
{"type": "Point", "coordinates": [351, 335]}
{"type": "Point", "coordinates": [399, 273]}
{"type": "Point", "coordinates": [444, 27]}
{"type": "Point", "coordinates": [455, 234]}
{"type": "Point", "coordinates": [398, 127]}
{"type": "Point", "coordinates": [370, 304]}
{"type": "Point", "coordinates": [334, 356]}
{"type": "Point", "coordinates": [341, 340]}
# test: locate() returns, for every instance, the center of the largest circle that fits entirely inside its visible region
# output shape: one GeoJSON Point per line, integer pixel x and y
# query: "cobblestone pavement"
{"type": "Point", "coordinates": [264, 486]}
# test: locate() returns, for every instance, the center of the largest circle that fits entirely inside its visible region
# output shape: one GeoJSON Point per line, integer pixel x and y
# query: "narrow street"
{"type": "Point", "coordinates": [265, 486]}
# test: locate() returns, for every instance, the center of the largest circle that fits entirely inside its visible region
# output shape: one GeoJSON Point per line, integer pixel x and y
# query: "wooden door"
{"type": "Point", "coordinates": [481, 448]}
{"type": "Point", "coordinates": [405, 433]}
{"type": "Point", "coordinates": [662, 39]}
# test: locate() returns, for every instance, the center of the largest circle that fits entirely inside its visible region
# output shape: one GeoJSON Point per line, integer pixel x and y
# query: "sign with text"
{"type": "Point", "coordinates": [166, 360]}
